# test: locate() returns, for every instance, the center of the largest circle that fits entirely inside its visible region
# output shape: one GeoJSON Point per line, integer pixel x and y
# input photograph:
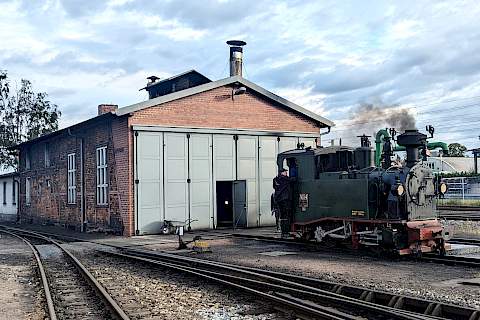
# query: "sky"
{"type": "Point", "coordinates": [331, 57]}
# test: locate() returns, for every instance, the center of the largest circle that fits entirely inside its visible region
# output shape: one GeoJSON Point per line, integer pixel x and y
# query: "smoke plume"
{"type": "Point", "coordinates": [378, 115]}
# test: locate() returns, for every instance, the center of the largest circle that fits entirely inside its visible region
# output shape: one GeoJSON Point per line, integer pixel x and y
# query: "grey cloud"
{"type": "Point", "coordinates": [61, 92]}
{"type": "Point", "coordinates": [80, 8]}
{"type": "Point", "coordinates": [199, 14]}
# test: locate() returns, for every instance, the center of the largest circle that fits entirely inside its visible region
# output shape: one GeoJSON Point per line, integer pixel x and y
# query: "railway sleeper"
{"type": "Point", "coordinates": [337, 289]}
{"type": "Point", "coordinates": [433, 309]}
{"type": "Point", "coordinates": [475, 316]}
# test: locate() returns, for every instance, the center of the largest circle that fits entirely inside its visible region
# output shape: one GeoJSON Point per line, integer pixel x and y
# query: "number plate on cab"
{"type": "Point", "coordinates": [303, 201]}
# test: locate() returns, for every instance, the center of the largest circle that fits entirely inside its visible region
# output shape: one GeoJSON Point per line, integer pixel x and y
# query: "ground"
{"type": "Point", "coordinates": [164, 294]}
{"type": "Point", "coordinates": [427, 280]}
{"type": "Point", "coordinates": [21, 293]}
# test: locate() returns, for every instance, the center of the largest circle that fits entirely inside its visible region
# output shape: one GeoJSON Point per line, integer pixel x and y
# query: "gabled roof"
{"type": "Point", "coordinates": [8, 175]}
{"type": "Point", "coordinates": [180, 75]}
{"type": "Point", "coordinates": [61, 131]}
{"type": "Point", "coordinates": [219, 83]}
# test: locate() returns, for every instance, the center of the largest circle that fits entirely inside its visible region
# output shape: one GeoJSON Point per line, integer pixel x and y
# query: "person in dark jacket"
{"type": "Point", "coordinates": [282, 197]}
{"type": "Point", "coordinates": [275, 212]}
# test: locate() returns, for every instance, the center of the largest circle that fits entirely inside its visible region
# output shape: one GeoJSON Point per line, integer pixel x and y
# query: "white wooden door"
{"type": "Point", "coordinates": [247, 148]}
{"type": "Point", "coordinates": [149, 172]}
{"type": "Point", "coordinates": [308, 142]}
{"type": "Point", "coordinates": [201, 199]}
{"type": "Point", "coordinates": [176, 174]}
{"type": "Point", "coordinates": [287, 143]}
{"type": "Point", "coordinates": [267, 171]}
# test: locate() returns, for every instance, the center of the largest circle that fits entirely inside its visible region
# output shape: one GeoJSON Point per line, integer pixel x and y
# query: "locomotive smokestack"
{"type": "Point", "coordinates": [412, 140]}
{"type": "Point", "coordinates": [236, 57]}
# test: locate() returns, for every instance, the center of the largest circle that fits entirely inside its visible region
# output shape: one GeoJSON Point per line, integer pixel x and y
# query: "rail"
{"type": "Point", "coordinates": [115, 310]}
{"type": "Point", "coordinates": [306, 296]}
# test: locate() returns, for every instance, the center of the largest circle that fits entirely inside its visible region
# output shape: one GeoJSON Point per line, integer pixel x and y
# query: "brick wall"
{"type": "Point", "coordinates": [49, 184]}
{"type": "Point", "coordinates": [216, 109]}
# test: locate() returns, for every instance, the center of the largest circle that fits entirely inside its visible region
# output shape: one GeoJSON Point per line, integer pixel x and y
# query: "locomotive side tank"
{"type": "Point", "coordinates": [340, 195]}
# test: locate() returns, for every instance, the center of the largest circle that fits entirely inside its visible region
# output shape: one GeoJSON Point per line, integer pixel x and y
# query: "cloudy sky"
{"type": "Point", "coordinates": [422, 57]}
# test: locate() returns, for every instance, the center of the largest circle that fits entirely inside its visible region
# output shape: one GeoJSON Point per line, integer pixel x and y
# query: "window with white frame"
{"type": "Point", "coordinates": [5, 192]}
{"type": "Point", "coordinates": [14, 192]}
{"type": "Point", "coordinates": [102, 182]}
{"type": "Point", "coordinates": [47, 155]}
{"type": "Point", "coordinates": [27, 159]}
{"type": "Point", "coordinates": [28, 187]}
{"type": "Point", "coordinates": [72, 184]}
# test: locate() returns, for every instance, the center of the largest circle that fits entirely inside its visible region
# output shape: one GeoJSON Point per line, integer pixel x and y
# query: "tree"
{"type": "Point", "coordinates": [456, 150]}
{"type": "Point", "coordinates": [24, 115]}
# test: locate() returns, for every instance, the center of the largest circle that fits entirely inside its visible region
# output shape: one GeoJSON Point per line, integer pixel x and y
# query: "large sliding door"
{"type": "Point", "coordinates": [308, 142]}
{"type": "Point", "coordinates": [287, 143]}
{"type": "Point", "coordinates": [247, 148]}
{"type": "Point", "coordinates": [176, 175]}
{"type": "Point", "coordinates": [267, 171]}
{"type": "Point", "coordinates": [200, 164]}
{"type": "Point", "coordinates": [149, 174]}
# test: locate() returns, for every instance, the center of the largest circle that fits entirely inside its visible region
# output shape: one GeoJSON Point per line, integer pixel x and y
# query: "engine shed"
{"type": "Point", "coordinates": [198, 153]}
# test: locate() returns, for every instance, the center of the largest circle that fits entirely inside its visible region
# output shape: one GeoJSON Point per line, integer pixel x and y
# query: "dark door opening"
{"type": "Point", "coordinates": [224, 204]}
{"type": "Point", "coordinates": [231, 204]}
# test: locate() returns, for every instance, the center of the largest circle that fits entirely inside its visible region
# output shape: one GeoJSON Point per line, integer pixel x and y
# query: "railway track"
{"type": "Point", "coordinates": [459, 212]}
{"type": "Point", "coordinates": [370, 301]}
{"type": "Point", "coordinates": [458, 208]}
{"type": "Point", "coordinates": [307, 297]}
{"type": "Point", "coordinates": [475, 241]}
{"type": "Point", "coordinates": [71, 291]}
{"type": "Point", "coordinates": [452, 260]}
{"type": "Point", "coordinates": [460, 215]}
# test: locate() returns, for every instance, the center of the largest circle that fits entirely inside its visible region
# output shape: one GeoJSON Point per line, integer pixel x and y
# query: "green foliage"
{"type": "Point", "coordinates": [24, 115]}
{"type": "Point", "coordinates": [456, 150]}
{"type": "Point", "coordinates": [460, 174]}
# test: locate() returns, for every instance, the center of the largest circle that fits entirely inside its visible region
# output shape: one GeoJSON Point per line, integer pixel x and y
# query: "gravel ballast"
{"type": "Point", "coordinates": [21, 294]}
{"type": "Point", "coordinates": [425, 280]}
{"type": "Point", "coordinates": [149, 292]}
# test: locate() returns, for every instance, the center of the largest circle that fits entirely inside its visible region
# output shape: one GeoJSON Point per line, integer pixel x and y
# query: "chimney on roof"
{"type": "Point", "coordinates": [152, 80]}
{"type": "Point", "coordinates": [236, 57]}
{"type": "Point", "coordinates": [106, 108]}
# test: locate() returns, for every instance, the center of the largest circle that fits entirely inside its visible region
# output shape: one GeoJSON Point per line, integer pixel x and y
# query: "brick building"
{"type": "Point", "coordinates": [198, 152]}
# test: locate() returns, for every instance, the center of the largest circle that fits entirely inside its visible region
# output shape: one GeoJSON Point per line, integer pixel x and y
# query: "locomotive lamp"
{"type": "Point", "coordinates": [443, 188]}
{"type": "Point", "coordinates": [398, 190]}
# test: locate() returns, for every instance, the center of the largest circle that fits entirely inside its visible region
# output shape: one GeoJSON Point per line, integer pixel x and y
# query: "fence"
{"type": "Point", "coordinates": [462, 191]}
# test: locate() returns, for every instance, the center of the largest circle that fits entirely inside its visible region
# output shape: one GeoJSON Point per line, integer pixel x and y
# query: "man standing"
{"type": "Point", "coordinates": [275, 212]}
{"type": "Point", "coordinates": [282, 184]}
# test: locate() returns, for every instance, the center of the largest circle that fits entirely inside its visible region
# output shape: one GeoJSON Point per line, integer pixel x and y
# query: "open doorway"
{"type": "Point", "coordinates": [231, 204]}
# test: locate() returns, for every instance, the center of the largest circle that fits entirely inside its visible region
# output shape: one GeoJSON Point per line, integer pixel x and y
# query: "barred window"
{"type": "Point", "coordinates": [102, 182]}
{"type": "Point", "coordinates": [28, 186]}
{"type": "Point", "coordinates": [72, 184]}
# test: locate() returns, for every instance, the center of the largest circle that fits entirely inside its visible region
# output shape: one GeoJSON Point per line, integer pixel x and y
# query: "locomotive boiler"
{"type": "Point", "coordinates": [341, 196]}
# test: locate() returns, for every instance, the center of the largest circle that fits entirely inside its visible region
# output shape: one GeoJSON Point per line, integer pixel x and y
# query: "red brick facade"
{"type": "Point", "coordinates": [210, 109]}
{"type": "Point", "coordinates": [216, 109]}
{"type": "Point", "coordinates": [48, 192]}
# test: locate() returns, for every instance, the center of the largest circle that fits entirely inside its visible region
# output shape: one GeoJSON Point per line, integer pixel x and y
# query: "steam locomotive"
{"type": "Point", "coordinates": [341, 196]}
